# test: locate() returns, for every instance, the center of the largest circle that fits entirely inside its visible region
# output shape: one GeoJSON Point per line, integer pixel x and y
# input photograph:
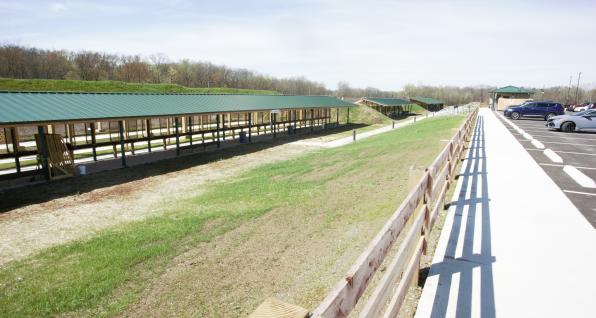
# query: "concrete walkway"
{"type": "Point", "coordinates": [513, 245]}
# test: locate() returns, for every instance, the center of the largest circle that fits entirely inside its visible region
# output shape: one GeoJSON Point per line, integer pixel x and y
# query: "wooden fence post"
{"type": "Point", "coordinates": [428, 203]}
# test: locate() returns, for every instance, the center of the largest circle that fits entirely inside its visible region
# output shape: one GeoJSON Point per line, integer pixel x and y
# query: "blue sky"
{"type": "Point", "coordinates": [385, 44]}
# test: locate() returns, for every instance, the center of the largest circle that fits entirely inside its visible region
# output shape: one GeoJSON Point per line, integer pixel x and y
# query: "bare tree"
{"type": "Point", "coordinates": [160, 63]}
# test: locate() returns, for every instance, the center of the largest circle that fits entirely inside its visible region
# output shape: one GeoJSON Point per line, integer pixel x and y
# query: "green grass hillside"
{"type": "Point", "coordinates": [365, 115]}
{"type": "Point", "coordinates": [362, 114]}
{"type": "Point", "coordinates": [10, 84]}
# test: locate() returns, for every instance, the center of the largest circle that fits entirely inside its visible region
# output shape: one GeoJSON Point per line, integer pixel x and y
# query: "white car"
{"type": "Point", "coordinates": [582, 121]}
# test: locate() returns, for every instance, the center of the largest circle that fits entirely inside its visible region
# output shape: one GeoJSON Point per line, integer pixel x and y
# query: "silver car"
{"type": "Point", "coordinates": [583, 121]}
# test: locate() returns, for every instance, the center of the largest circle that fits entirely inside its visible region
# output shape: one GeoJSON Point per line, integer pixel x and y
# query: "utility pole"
{"type": "Point", "coordinates": [577, 87]}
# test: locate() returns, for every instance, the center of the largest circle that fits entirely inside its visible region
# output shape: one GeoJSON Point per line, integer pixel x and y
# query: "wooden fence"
{"type": "Point", "coordinates": [416, 216]}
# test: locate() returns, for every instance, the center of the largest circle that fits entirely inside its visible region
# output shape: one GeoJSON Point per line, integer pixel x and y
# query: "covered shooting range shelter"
{"type": "Point", "coordinates": [427, 103]}
{"type": "Point", "coordinates": [43, 133]}
{"type": "Point", "coordinates": [391, 107]}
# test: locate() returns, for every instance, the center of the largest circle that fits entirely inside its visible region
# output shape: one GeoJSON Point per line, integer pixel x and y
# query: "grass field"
{"type": "Point", "coordinates": [9, 84]}
{"type": "Point", "coordinates": [347, 192]}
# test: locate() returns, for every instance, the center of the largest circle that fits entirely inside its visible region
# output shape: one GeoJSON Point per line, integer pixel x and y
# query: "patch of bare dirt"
{"type": "Point", "coordinates": [292, 254]}
{"type": "Point", "coordinates": [28, 229]}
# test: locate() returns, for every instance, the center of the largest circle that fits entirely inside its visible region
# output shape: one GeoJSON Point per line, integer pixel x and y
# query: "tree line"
{"type": "Point", "coordinates": [27, 63]}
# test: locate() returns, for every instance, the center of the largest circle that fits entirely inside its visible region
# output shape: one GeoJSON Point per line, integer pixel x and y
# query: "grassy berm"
{"type": "Point", "coordinates": [44, 85]}
{"type": "Point", "coordinates": [289, 229]}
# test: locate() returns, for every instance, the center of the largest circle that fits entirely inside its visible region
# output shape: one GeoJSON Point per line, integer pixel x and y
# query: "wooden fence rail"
{"type": "Point", "coordinates": [419, 211]}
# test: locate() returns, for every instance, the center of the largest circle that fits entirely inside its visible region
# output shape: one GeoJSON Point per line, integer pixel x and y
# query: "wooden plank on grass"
{"type": "Point", "coordinates": [274, 308]}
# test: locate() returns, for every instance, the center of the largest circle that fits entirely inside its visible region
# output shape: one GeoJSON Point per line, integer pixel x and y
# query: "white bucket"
{"type": "Point", "coordinates": [82, 170]}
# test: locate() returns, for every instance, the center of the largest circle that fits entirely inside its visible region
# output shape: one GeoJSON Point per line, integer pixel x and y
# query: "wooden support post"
{"type": "Point", "coordinates": [127, 136]}
{"type": "Point", "coordinates": [177, 130]}
{"type": "Point", "coordinates": [43, 153]}
{"type": "Point", "coordinates": [169, 131]}
{"type": "Point", "coordinates": [148, 124]}
{"type": "Point", "coordinates": [312, 121]}
{"type": "Point", "coordinates": [217, 130]}
{"type": "Point", "coordinates": [15, 147]}
{"type": "Point", "coordinates": [93, 141]}
{"type": "Point", "coordinates": [249, 127]}
{"type": "Point", "coordinates": [190, 128]}
{"type": "Point", "coordinates": [348, 117]}
{"type": "Point", "coordinates": [122, 150]}
{"type": "Point", "coordinates": [274, 121]}
{"type": "Point", "coordinates": [223, 126]}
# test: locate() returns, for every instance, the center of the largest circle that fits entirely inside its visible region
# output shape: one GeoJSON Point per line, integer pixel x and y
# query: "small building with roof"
{"type": "Point", "coordinates": [430, 104]}
{"type": "Point", "coordinates": [391, 107]}
{"type": "Point", "coordinates": [506, 96]}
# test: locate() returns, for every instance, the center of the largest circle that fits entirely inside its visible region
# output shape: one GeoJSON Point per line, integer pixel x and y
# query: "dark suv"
{"type": "Point", "coordinates": [537, 109]}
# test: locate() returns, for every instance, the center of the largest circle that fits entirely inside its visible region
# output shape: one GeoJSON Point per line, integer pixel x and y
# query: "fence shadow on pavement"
{"type": "Point", "coordinates": [467, 263]}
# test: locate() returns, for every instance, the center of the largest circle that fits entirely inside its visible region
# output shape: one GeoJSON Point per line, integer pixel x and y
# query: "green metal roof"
{"type": "Point", "coordinates": [388, 101]}
{"type": "Point", "coordinates": [34, 107]}
{"type": "Point", "coordinates": [427, 100]}
{"type": "Point", "coordinates": [512, 90]}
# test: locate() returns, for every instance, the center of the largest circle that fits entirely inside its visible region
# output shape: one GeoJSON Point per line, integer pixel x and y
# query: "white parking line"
{"type": "Point", "coordinates": [553, 156]}
{"type": "Point", "coordinates": [577, 192]}
{"type": "Point", "coordinates": [563, 137]}
{"type": "Point", "coordinates": [578, 153]}
{"type": "Point", "coordinates": [537, 144]}
{"type": "Point", "coordinates": [556, 165]}
{"type": "Point", "coordinates": [579, 177]}
{"type": "Point", "coordinates": [567, 143]}
{"type": "Point", "coordinates": [570, 152]}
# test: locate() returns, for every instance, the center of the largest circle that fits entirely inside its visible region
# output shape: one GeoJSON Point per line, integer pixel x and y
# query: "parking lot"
{"type": "Point", "coordinates": [577, 150]}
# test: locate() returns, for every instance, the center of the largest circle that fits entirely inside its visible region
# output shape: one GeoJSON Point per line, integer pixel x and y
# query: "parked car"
{"type": "Point", "coordinates": [584, 107]}
{"type": "Point", "coordinates": [537, 109]}
{"type": "Point", "coordinates": [583, 121]}
{"type": "Point", "coordinates": [580, 107]}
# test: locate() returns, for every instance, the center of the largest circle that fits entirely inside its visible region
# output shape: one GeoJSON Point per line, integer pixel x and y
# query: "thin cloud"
{"type": "Point", "coordinates": [58, 7]}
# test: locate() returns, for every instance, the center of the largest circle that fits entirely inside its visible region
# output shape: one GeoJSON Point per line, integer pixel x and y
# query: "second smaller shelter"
{"type": "Point", "coordinates": [391, 107]}
{"type": "Point", "coordinates": [428, 103]}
